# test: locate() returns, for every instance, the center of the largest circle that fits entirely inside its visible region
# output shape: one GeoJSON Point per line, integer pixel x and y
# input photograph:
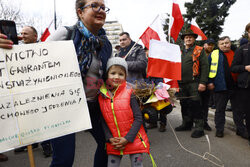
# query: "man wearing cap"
{"type": "Point", "coordinates": [223, 82]}
{"type": "Point", "coordinates": [207, 95]}
{"type": "Point", "coordinates": [209, 46]}
{"type": "Point", "coordinates": [241, 65]}
{"type": "Point", "coordinates": [194, 74]}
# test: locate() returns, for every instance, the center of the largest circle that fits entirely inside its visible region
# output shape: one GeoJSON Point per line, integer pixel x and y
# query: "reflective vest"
{"type": "Point", "coordinates": [196, 62]}
{"type": "Point", "coordinates": [214, 63]}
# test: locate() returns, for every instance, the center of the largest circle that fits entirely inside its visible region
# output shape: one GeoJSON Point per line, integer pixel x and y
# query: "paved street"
{"type": "Point", "coordinates": [232, 150]}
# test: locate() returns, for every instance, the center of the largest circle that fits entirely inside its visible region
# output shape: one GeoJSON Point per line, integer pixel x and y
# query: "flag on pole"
{"type": "Point", "coordinates": [164, 60]}
{"type": "Point", "coordinates": [196, 29]}
{"type": "Point", "coordinates": [46, 33]}
{"type": "Point", "coordinates": [178, 21]}
{"type": "Point", "coordinates": [154, 31]}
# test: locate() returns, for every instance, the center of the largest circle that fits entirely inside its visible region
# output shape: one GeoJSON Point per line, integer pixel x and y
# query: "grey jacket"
{"type": "Point", "coordinates": [137, 63]}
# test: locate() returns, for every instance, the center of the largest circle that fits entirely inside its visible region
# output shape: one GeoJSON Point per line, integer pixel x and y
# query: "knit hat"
{"type": "Point", "coordinates": [117, 61]}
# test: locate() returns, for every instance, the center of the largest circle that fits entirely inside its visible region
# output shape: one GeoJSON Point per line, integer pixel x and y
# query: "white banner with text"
{"type": "Point", "coordinates": [41, 94]}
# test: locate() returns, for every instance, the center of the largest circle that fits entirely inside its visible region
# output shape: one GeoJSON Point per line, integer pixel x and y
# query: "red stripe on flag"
{"type": "Point", "coordinates": [164, 69]}
{"type": "Point", "coordinates": [178, 21]}
{"type": "Point", "coordinates": [45, 35]}
{"type": "Point", "coordinates": [149, 34]}
{"type": "Point", "coordinates": [198, 31]}
{"type": "Point", "coordinates": [173, 84]}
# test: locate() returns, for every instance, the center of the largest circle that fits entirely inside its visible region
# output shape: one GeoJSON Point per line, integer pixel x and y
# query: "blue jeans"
{"type": "Point", "coordinates": [64, 147]}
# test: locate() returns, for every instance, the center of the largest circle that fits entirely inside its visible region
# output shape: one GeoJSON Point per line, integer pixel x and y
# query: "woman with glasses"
{"type": "Point", "coordinates": [93, 50]}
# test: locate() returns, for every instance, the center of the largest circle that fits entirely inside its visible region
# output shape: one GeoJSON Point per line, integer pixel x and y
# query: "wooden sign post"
{"type": "Point", "coordinates": [31, 156]}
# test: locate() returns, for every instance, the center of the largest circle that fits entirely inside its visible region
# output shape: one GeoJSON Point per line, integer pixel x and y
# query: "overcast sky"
{"type": "Point", "coordinates": [134, 15]}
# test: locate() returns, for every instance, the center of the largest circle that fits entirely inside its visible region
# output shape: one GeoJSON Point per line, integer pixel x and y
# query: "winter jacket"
{"type": "Point", "coordinates": [242, 59]}
{"type": "Point", "coordinates": [187, 67]}
{"type": "Point", "coordinates": [137, 62]}
{"type": "Point", "coordinates": [119, 118]}
{"type": "Point", "coordinates": [223, 79]}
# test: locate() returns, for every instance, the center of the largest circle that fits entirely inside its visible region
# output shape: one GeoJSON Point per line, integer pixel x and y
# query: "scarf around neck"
{"type": "Point", "coordinates": [89, 47]}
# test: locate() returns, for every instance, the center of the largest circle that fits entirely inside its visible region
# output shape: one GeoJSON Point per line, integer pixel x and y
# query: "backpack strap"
{"type": "Point", "coordinates": [71, 32]}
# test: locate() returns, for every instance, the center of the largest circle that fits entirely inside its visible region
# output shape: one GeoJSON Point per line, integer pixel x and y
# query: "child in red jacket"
{"type": "Point", "coordinates": [122, 116]}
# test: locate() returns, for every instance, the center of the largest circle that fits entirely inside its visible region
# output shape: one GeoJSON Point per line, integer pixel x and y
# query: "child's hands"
{"type": "Point", "coordinates": [123, 141]}
{"type": "Point", "coordinates": [114, 141]}
{"type": "Point", "coordinates": [120, 145]}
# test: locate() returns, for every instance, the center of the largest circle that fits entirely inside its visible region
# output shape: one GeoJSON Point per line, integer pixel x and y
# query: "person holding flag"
{"type": "Point", "coordinates": [194, 76]}
{"type": "Point", "coordinates": [135, 56]}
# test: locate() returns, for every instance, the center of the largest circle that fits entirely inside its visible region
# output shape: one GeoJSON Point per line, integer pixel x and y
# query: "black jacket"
{"type": "Point", "coordinates": [242, 59]}
{"type": "Point", "coordinates": [137, 62]}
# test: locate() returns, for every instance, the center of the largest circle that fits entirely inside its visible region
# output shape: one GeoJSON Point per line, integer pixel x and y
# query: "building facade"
{"type": "Point", "coordinates": [113, 29]}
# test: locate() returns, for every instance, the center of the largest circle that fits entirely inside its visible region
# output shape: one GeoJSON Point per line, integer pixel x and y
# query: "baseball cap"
{"type": "Point", "coordinates": [210, 41]}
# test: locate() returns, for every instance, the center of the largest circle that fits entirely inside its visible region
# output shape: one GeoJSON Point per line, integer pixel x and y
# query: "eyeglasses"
{"type": "Point", "coordinates": [96, 7]}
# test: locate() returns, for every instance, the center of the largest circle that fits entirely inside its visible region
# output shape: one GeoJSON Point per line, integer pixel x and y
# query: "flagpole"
{"type": "Point", "coordinates": [131, 49]}
{"type": "Point", "coordinates": [139, 39]}
{"type": "Point", "coordinates": [50, 24]}
{"type": "Point", "coordinates": [154, 20]}
{"type": "Point", "coordinates": [170, 22]}
{"type": "Point", "coordinates": [55, 13]}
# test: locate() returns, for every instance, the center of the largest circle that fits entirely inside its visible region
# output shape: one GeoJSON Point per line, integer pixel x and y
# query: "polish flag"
{"type": "Point", "coordinates": [164, 60]}
{"type": "Point", "coordinates": [172, 83]}
{"type": "Point", "coordinates": [154, 31]}
{"type": "Point", "coordinates": [46, 33]}
{"type": "Point", "coordinates": [196, 29]}
{"type": "Point", "coordinates": [178, 21]}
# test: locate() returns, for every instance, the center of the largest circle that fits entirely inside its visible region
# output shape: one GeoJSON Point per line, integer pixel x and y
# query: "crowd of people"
{"type": "Point", "coordinates": [117, 122]}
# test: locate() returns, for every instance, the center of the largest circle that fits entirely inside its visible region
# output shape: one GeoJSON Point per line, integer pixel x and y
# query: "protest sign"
{"type": "Point", "coordinates": [41, 94]}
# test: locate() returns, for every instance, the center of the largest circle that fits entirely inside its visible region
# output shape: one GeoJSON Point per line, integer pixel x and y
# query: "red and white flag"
{"type": "Point", "coordinates": [46, 33]}
{"type": "Point", "coordinates": [178, 20]}
{"type": "Point", "coordinates": [154, 31]}
{"type": "Point", "coordinates": [164, 60]}
{"type": "Point", "coordinates": [196, 29]}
